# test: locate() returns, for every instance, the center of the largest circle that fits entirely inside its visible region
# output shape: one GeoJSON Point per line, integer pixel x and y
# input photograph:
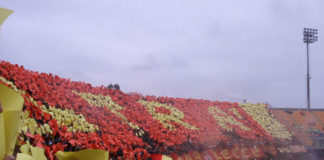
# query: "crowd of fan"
{"type": "Point", "coordinates": [127, 128]}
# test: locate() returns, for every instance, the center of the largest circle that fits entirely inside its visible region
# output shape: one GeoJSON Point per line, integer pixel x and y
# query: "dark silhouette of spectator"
{"type": "Point", "coordinates": [110, 86]}
{"type": "Point", "coordinates": [116, 86]}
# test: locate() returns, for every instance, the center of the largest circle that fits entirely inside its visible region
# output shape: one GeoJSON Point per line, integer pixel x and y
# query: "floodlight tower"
{"type": "Point", "coordinates": [310, 36]}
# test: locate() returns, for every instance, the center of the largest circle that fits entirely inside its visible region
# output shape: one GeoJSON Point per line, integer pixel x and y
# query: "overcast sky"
{"type": "Point", "coordinates": [218, 50]}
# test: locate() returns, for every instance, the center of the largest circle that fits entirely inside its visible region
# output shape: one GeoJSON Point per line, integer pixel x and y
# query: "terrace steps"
{"type": "Point", "coordinates": [284, 117]}
{"type": "Point", "coordinates": [320, 116]}
{"type": "Point", "coordinates": [308, 120]}
{"type": "Point", "coordinates": [295, 123]}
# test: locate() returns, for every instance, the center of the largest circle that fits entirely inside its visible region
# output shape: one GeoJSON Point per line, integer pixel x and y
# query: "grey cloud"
{"type": "Point", "coordinates": [218, 50]}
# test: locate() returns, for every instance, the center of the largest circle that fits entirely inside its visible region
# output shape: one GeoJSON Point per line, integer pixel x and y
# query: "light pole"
{"type": "Point", "coordinates": [310, 36]}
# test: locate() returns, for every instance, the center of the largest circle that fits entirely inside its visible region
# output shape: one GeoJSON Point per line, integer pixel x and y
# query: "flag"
{"type": "Point", "coordinates": [4, 13]}
{"type": "Point", "coordinates": [12, 104]}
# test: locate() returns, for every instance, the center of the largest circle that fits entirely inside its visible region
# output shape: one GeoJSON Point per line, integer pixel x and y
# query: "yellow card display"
{"type": "Point", "coordinates": [12, 104]}
{"type": "Point", "coordinates": [4, 13]}
{"type": "Point", "coordinates": [38, 153]}
{"type": "Point", "coordinates": [93, 154]}
{"type": "Point", "coordinates": [164, 157]}
{"type": "Point", "coordinates": [22, 156]}
{"type": "Point", "coordinates": [31, 153]}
